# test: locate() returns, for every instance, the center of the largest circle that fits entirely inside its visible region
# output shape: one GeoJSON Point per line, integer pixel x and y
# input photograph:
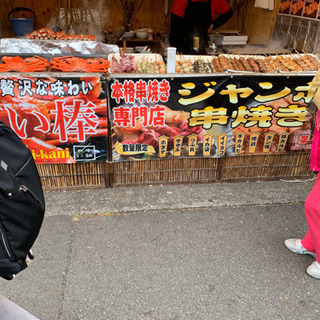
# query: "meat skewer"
{"type": "Point", "coordinates": [311, 61]}
{"type": "Point", "coordinates": [315, 61]}
{"type": "Point", "coordinates": [239, 65]}
{"type": "Point", "coordinates": [217, 65]}
{"type": "Point", "coordinates": [233, 64]}
{"type": "Point", "coordinates": [253, 64]}
{"type": "Point", "coordinates": [301, 62]}
{"type": "Point", "coordinates": [245, 64]}
{"type": "Point", "coordinates": [264, 66]}
{"type": "Point", "coordinates": [289, 63]}
{"type": "Point", "coordinates": [276, 64]}
{"type": "Point", "coordinates": [225, 63]}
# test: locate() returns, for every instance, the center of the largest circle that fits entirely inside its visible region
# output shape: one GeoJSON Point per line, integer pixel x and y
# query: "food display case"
{"type": "Point", "coordinates": [119, 119]}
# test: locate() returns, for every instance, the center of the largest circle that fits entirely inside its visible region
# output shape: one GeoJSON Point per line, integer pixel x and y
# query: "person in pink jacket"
{"type": "Point", "coordinates": [310, 244]}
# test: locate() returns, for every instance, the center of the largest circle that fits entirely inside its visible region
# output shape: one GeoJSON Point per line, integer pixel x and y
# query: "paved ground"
{"type": "Point", "coordinates": [183, 252]}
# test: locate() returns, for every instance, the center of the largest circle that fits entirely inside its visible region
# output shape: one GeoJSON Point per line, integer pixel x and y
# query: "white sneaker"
{"type": "Point", "coordinates": [314, 270]}
{"type": "Point", "coordinates": [295, 246]}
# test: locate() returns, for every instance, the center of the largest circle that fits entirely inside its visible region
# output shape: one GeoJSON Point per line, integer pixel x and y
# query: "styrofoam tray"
{"type": "Point", "coordinates": [223, 39]}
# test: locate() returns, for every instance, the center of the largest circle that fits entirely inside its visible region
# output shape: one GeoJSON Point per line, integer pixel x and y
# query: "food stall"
{"type": "Point", "coordinates": [54, 97]}
{"type": "Point", "coordinates": [93, 116]}
{"type": "Point", "coordinates": [222, 118]}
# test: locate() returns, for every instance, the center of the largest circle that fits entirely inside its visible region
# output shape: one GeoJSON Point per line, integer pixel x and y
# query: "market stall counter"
{"type": "Point", "coordinates": [220, 118]}
{"type": "Point", "coordinates": [218, 127]}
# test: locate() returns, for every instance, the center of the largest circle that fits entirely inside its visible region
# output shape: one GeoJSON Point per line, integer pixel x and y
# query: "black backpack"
{"type": "Point", "coordinates": [22, 203]}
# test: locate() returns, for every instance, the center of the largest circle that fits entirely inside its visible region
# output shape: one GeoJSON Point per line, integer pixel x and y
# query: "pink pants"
{"type": "Point", "coordinates": [311, 241]}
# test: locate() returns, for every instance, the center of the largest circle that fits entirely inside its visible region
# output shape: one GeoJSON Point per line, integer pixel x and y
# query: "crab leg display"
{"type": "Point", "coordinates": [29, 64]}
{"type": "Point", "coordinates": [71, 63]}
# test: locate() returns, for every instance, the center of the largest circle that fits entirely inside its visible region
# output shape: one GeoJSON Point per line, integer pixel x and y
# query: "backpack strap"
{"type": "Point", "coordinates": [29, 257]}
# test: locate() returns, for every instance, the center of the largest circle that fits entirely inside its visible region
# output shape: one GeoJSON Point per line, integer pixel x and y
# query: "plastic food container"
{"type": "Point", "coordinates": [128, 35]}
{"type": "Point", "coordinates": [141, 33]}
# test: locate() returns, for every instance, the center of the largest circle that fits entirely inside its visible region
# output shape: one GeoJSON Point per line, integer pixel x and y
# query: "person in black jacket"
{"type": "Point", "coordinates": [195, 18]}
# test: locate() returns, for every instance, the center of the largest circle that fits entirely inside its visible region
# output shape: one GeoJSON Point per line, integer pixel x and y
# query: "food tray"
{"type": "Point", "coordinates": [127, 66]}
{"type": "Point", "coordinates": [290, 62]}
{"type": "Point", "coordinates": [138, 56]}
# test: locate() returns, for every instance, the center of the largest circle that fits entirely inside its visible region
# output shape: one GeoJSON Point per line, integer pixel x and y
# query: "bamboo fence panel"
{"type": "Point", "coordinates": [271, 167]}
{"type": "Point", "coordinates": [160, 171]}
{"type": "Point", "coordinates": [78, 175]}
{"type": "Point", "coordinates": [170, 171]}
